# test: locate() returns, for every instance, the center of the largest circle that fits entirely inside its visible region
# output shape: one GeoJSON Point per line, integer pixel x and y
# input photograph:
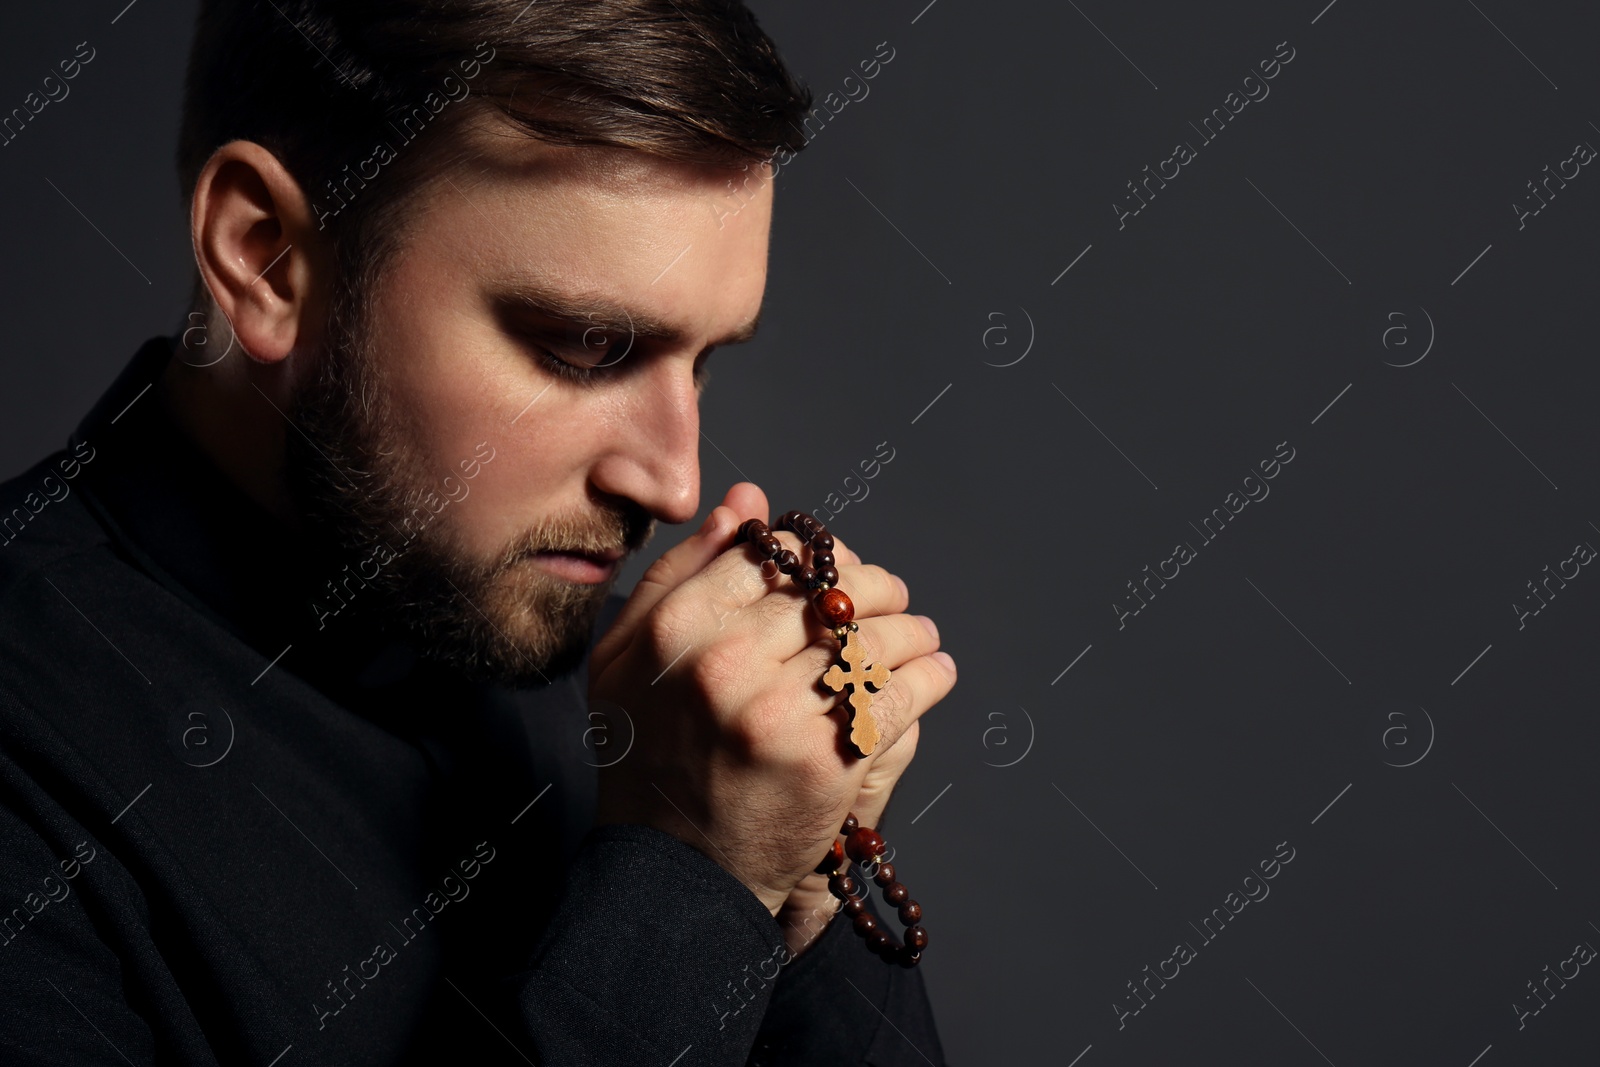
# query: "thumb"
{"type": "Point", "coordinates": [744, 500]}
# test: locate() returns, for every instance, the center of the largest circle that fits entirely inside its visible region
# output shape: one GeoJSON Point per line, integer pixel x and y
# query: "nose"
{"type": "Point", "coordinates": [654, 454]}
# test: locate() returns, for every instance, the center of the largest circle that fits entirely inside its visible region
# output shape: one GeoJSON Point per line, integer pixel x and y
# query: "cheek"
{"type": "Point", "coordinates": [516, 490]}
{"type": "Point", "coordinates": [447, 381]}
{"type": "Point", "coordinates": [470, 406]}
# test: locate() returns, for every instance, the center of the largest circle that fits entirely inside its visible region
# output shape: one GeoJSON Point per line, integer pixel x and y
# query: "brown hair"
{"type": "Point", "coordinates": [332, 85]}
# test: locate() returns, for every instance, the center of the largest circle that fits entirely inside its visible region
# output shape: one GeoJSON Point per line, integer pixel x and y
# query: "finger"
{"type": "Point", "coordinates": [843, 553]}
{"type": "Point", "coordinates": [921, 684]}
{"type": "Point", "coordinates": [744, 500]}
{"type": "Point", "coordinates": [892, 640]}
{"type": "Point", "coordinates": [846, 557]}
{"type": "Point", "coordinates": [872, 589]}
{"type": "Point", "coordinates": [743, 588]}
{"type": "Point", "coordinates": [781, 619]}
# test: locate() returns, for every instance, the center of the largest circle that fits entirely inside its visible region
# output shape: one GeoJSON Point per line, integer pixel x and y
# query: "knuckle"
{"type": "Point", "coordinates": [775, 610]}
{"type": "Point", "coordinates": [668, 628]}
{"type": "Point", "coordinates": [720, 668]}
{"type": "Point", "coordinates": [876, 575]}
{"type": "Point", "coordinates": [880, 588]}
{"type": "Point", "coordinates": [760, 730]}
{"type": "Point", "coordinates": [874, 649]}
{"type": "Point", "coordinates": [662, 572]}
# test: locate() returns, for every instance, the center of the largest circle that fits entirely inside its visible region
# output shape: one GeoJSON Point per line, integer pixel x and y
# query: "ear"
{"type": "Point", "coordinates": [259, 251]}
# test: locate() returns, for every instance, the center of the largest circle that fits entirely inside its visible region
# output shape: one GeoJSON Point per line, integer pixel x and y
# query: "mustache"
{"type": "Point", "coordinates": [624, 531]}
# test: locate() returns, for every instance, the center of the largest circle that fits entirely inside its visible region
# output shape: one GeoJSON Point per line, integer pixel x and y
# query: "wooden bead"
{"type": "Point", "coordinates": [834, 607]}
{"type": "Point", "coordinates": [864, 844]}
{"type": "Point", "coordinates": [833, 861]}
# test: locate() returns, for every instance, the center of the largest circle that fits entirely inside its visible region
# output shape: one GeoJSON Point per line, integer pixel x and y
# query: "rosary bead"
{"type": "Point", "coordinates": [818, 576]}
{"type": "Point", "coordinates": [833, 860]}
{"type": "Point", "coordinates": [834, 606]}
{"type": "Point", "coordinates": [864, 844]}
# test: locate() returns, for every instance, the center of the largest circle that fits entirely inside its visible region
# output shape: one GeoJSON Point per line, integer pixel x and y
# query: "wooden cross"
{"type": "Point", "coordinates": [856, 676]}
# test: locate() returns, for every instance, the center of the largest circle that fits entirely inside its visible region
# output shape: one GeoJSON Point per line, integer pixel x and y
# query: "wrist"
{"type": "Point", "coordinates": [807, 913]}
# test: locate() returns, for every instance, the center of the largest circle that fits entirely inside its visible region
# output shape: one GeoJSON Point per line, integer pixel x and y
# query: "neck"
{"type": "Point", "coordinates": [236, 412]}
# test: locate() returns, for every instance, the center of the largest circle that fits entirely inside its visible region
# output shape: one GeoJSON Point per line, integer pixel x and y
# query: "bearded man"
{"type": "Point", "coordinates": [323, 737]}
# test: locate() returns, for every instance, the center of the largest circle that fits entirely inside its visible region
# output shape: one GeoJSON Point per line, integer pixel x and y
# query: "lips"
{"type": "Point", "coordinates": [587, 568]}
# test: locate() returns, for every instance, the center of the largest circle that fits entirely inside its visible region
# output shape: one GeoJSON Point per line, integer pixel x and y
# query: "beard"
{"type": "Point", "coordinates": [366, 495]}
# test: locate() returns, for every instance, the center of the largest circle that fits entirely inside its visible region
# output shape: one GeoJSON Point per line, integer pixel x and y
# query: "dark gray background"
{"type": "Point", "coordinates": [1336, 628]}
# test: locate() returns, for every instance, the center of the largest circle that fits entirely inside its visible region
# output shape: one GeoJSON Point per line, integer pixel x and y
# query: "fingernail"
{"type": "Point", "coordinates": [904, 591]}
{"type": "Point", "coordinates": [944, 658]}
{"type": "Point", "coordinates": [927, 624]}
{"type": "Point", "coordinates": [709, 525]}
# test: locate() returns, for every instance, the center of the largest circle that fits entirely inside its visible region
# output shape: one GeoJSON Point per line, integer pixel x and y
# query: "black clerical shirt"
{"type": "Point", "coordinates": [235, 828]}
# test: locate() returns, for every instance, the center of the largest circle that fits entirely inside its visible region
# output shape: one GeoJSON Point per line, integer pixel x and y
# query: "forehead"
{"type": "Point", "coordinates": [683, 244]}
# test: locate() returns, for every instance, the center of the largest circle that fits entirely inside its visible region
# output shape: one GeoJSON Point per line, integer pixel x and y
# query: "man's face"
{"type": "Point", "coordinates": [446, 382]}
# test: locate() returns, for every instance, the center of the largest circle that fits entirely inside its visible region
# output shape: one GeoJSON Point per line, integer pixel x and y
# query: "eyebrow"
{"type": "Point", "coordinates": [611, 317]}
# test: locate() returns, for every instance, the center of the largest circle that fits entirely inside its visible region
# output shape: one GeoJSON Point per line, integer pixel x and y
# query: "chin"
{"type": "Point", "coordinates": [522, 629]}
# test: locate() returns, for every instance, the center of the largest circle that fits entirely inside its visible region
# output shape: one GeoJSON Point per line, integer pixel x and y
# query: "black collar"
{"type": "Point", "coordinates": [184, 522]}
